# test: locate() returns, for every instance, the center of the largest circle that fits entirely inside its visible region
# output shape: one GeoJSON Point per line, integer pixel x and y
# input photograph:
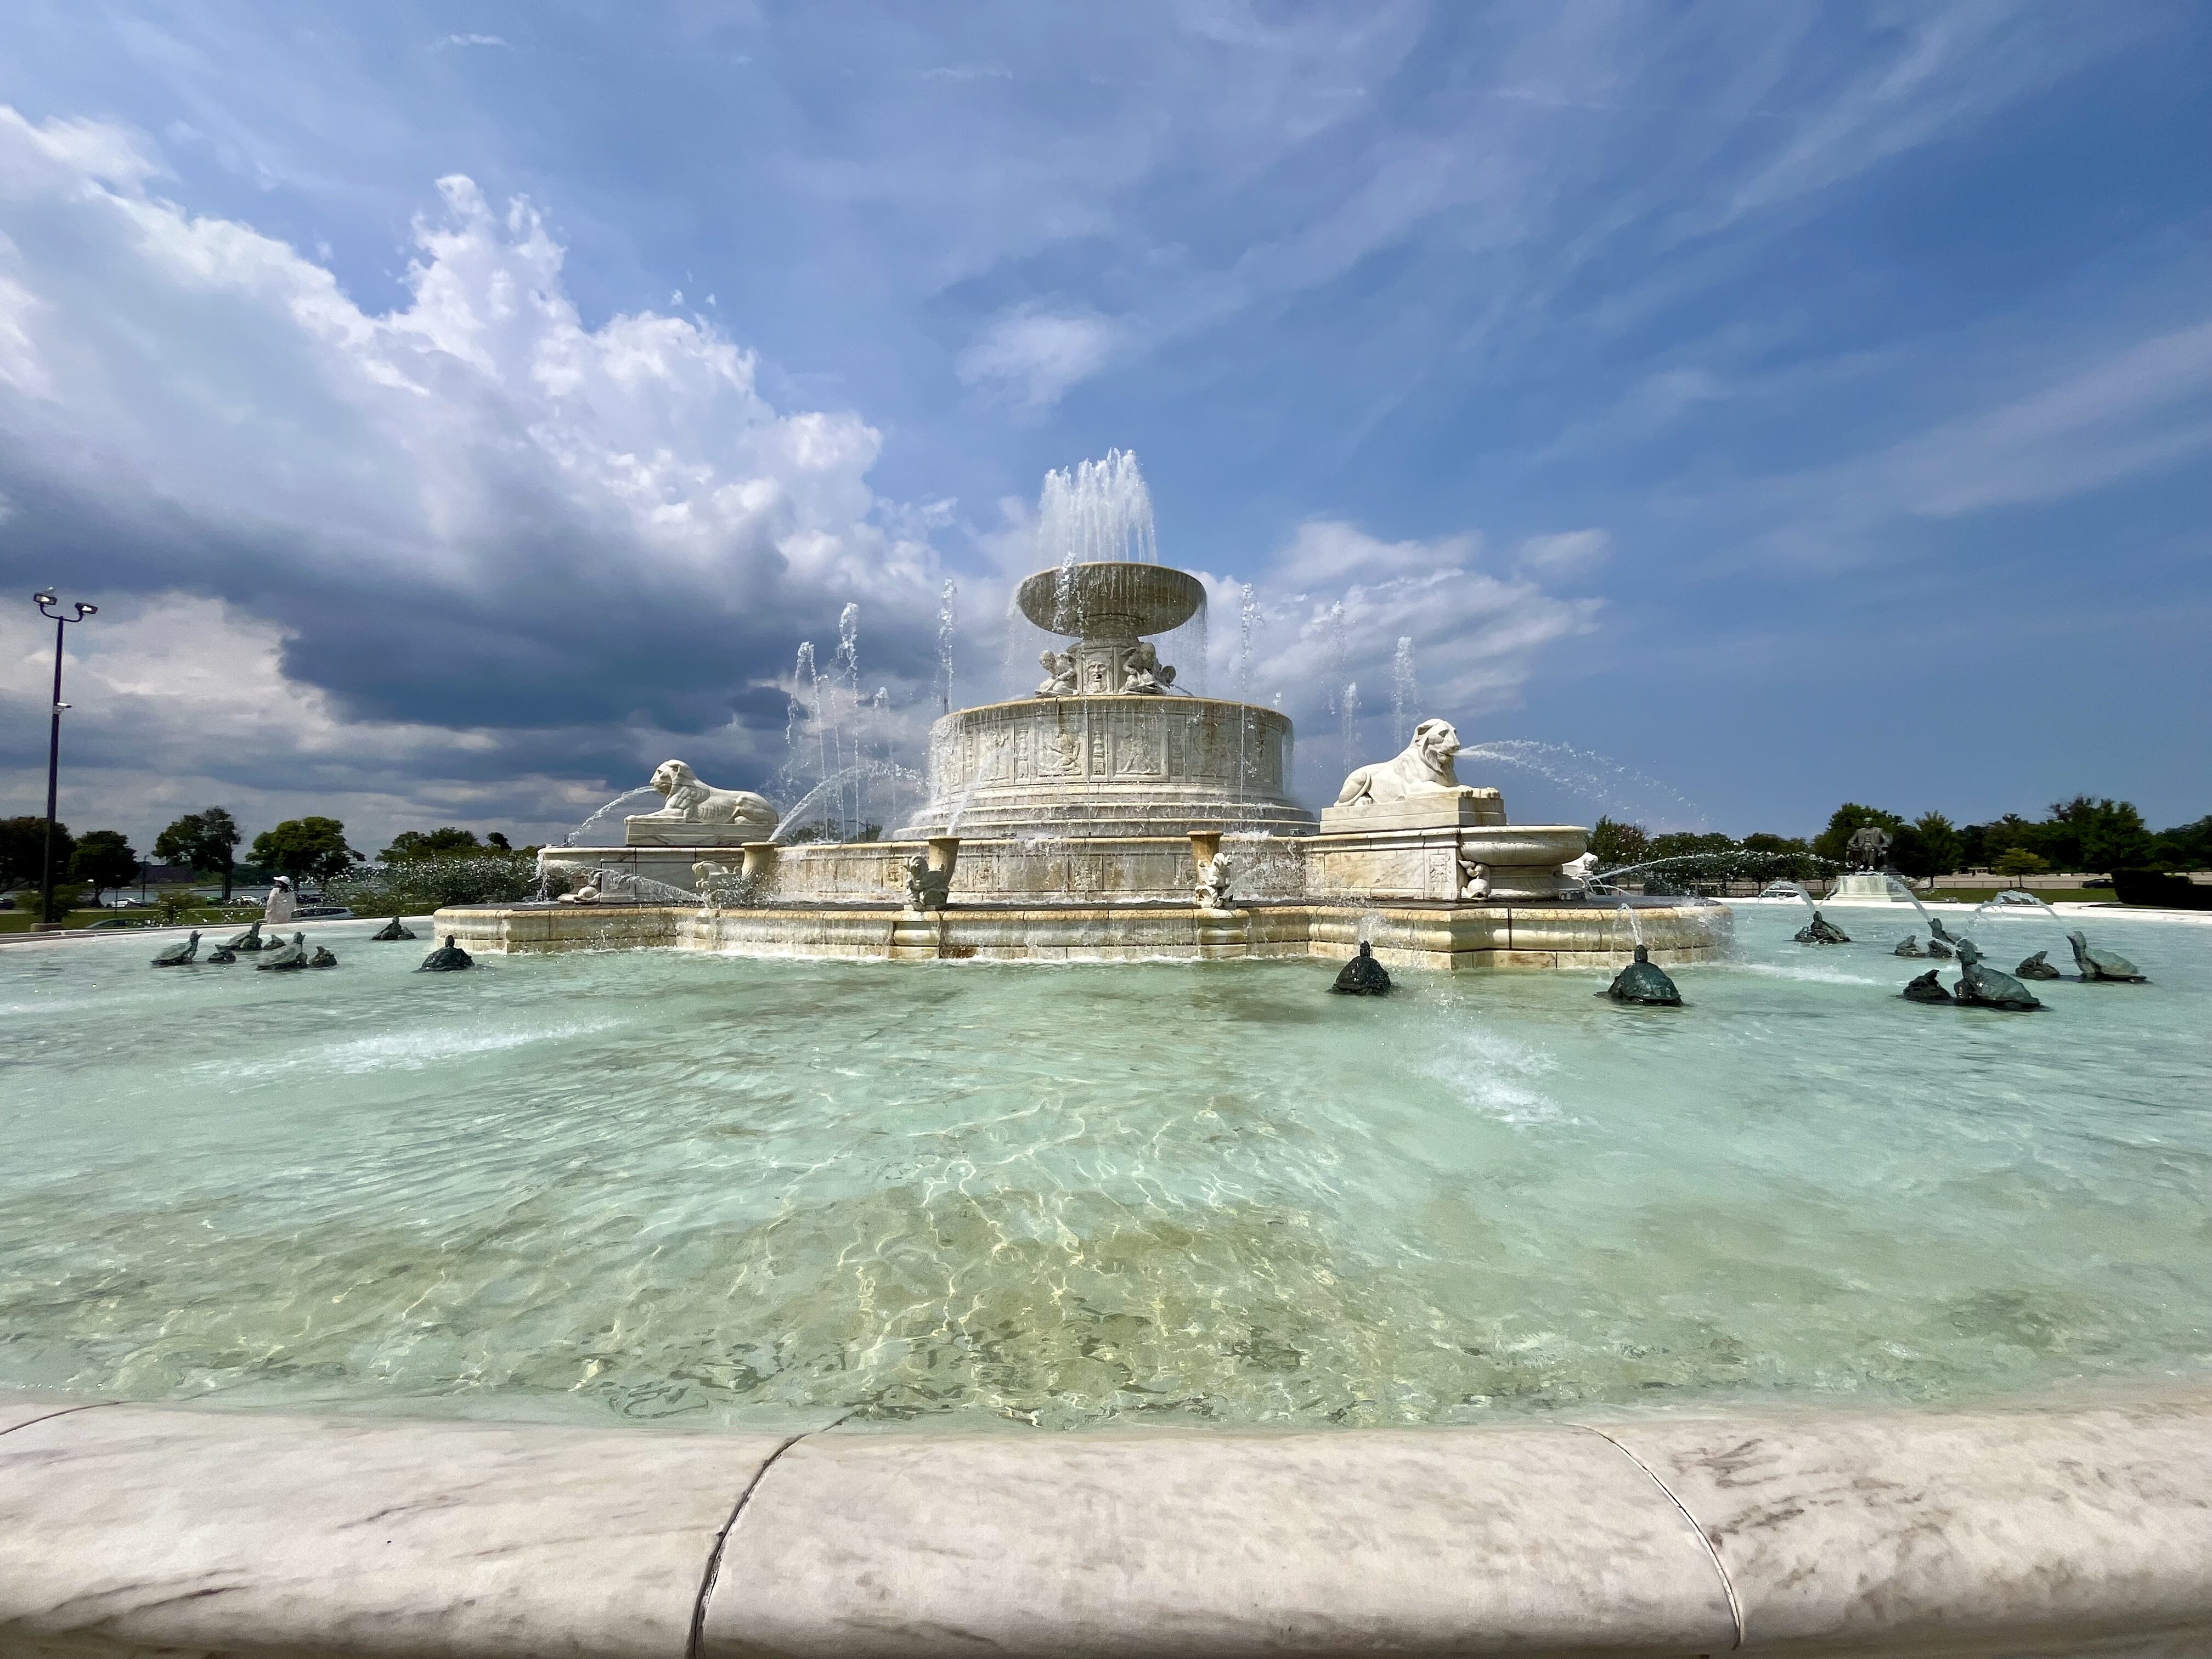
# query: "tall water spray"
{"type": "Point", "coordinates": [946, 622]}
{"type": "Point", "coordinates": [1405, 691]}
{"type": "Point", "coordinates": [1097, 511]}
{"type": "Point", "coordinates": [846, 695]}
{"type": "Point", "coordinates": [1248, 620]}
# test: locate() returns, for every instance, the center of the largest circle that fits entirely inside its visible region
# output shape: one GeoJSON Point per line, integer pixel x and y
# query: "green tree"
{"type": "Point", "coordinates": [2019, 861]}
{"type": "Point", "coordinates": [66, 899]}
{"type": "Point", "coordinates": [208, 841]}
{"type": "Point", "coordinates": [22, 844]}
{"type": "Point", "coordinates": [1772, 857]}
{"type": "Point", "coordinates": [1617, 844]}
{"type": "Point", "coordinates": [441, 842]}
{"type": "Point", "coordinates": [1928, 846]}
{"type": "Point", "coordinates": [2097, 834]}
{"type": "Point", "coordinates": [1834, 843]}
{"type": "Point", "coordinates": [306, 847]}
{"type": "Point", "coordinates": [2188, 845]}
{"type": "Point", "coordinates": [103, 858]}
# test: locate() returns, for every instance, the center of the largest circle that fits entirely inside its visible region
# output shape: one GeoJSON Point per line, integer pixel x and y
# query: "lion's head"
{"type": "Point", "coordinates": [672, 776]}
{"type": "Point", "coordinates": [1435, 743]}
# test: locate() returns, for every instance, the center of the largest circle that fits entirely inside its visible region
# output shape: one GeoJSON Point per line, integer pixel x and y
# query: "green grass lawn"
{"type": "Point", "coordinates": [2048, 895]}
{"type": "Point", "coordinates": [19, 919]}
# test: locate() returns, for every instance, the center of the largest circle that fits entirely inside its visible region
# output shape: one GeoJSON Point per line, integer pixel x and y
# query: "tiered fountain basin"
{"type": "Point", "coordinates": [1109, 766]}
{"type": "Point", "coordinates": [1392, 874]}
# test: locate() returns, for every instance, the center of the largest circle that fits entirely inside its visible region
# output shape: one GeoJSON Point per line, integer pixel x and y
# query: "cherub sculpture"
{"type": "Point", "coordinates": [1059, 673]}
{"type": "Point", "coordinates": [1143, 674]}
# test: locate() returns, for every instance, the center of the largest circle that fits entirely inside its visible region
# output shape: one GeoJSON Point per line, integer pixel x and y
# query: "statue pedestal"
{"type": "Point", "coordinates": [1867, 888]}
{"type": "Point", "coordinates": [1444, 809]}
{"type": "Point", "coordinates": [686, 832]}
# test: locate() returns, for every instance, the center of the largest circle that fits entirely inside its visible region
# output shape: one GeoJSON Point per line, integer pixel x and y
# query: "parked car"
{"type": "Point", "coordinates": [2098, 881]}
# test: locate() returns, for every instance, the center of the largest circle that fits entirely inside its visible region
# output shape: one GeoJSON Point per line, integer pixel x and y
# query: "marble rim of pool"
{"type": "Point", "coordinates": [2074, 1524]}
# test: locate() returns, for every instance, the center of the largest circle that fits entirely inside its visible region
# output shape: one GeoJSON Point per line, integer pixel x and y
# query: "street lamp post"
{"type": "Point", "coordinates": [44, 599]}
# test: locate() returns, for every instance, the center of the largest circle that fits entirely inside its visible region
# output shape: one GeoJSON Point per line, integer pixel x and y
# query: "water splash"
{"type": "Point", "coordinates": [1405, 691]}
{"type": "Point", "coordinates": [1347, 724]}
{"type": "Point", "coordinates": [856, 780]}
{"type": "Point", "coordinates": [1600, 779]}
{"type": "Point", "coordinates": [628, 796]}
{"type": "Point", "coordinates": [947, 621]}
{"type": "Point", "coordinates": [1635, 928]}
{"type": "Point", "coordinates": [1249, 622]}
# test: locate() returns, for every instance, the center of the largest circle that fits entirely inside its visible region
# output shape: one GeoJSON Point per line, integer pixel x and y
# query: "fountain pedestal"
{"type": "Point", "coordinates": [1866, 887]}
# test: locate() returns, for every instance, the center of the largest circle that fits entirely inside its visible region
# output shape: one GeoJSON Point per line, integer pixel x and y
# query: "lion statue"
{"type": "Point", "coordinates": [696, 803]}
{"type": "Point", "coordinates": [1424, 769]}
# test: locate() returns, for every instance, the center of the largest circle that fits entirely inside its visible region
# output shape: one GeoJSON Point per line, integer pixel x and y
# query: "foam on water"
{"type": "Point", "coordinates": [676, 1185]}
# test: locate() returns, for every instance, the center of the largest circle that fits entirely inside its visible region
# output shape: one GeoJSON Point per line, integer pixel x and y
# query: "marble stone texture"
{"type": "Point", "coordinates": [134, 1528]}
{"type": "Point", "coordinates": [1862, 886]}
{"type": "Point", "coordinates": [1109, 765]}
{"type": "Point", "coordinates": [1973, 1528]}
{"type": "Point", "coordinates": [1447, 936]}
{"type": "Point", "coordinates": [1451, 808]}
{"type": "Point", "coordinates": [20, 1407]}
{"type": "Point", "coordinates": [1466, 1541]}
{"type": "Point", "coordinates": [647, 830]}
{"type": "Point", "coordinates": [1423, 863]}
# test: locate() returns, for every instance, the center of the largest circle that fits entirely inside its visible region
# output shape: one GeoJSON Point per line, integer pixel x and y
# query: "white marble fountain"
{"type": "Point", "coordinates": [1110, 814]}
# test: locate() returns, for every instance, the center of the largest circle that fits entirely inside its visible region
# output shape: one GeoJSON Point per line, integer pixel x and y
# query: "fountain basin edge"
{"type": "Point", "coordinates": [1444, 936]}
{"type": "Point", "coordinates": [2044, 1528]}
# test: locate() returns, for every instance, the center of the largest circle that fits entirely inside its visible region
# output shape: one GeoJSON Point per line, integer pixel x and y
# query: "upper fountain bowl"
{"type": "Point", "coordinates": [1116, 600]}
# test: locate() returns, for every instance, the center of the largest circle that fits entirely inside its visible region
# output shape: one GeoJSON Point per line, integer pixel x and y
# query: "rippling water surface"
{"type": "Point", "coordinates": [678, 1186]}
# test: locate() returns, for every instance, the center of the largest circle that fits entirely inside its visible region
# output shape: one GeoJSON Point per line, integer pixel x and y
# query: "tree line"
{"type": "Point", "coordinates": [2084, 833]}
{"type": "Point", "coordinates": [312, 849]}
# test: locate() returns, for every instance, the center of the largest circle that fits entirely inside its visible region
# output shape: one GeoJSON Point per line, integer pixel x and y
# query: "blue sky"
{"type": "Point", "coordinates": [458, 409]}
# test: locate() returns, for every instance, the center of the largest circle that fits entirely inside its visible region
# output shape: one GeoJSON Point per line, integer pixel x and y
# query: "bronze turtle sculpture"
{"type": "Point", "coordinates": [1643, 981]}
{"type": "Point", "coordinates": [1362, 976]}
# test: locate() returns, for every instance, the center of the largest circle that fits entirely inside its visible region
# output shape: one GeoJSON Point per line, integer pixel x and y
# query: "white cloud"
{"type": "Point", "coordinates": [1570, 553]}
{"type": "Point", "coordinates": [1037, 353]}
{"type": "Point", "coordinates": [607, 526]}
{"type": "Point", "coordinates": [472, 40]}
{"type": "Point", "coordinates": [1332, 608]}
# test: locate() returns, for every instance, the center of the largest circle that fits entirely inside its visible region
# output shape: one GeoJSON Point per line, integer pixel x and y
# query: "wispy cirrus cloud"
{"type": "Point", "coordinates": [1036, 353]}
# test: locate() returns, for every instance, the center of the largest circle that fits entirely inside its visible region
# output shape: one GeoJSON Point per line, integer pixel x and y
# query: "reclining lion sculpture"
{"type": "Point", "coordinates": [1423, 768]}
{"type": "Point", "coordinates": [695, 802]}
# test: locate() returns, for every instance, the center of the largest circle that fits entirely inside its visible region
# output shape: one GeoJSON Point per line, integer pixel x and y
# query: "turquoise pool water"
{"type": "Point", "coordinates": [673, 1186]}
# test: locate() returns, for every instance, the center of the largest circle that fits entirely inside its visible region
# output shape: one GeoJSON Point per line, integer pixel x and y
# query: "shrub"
{"type": "Point", "coordinates": [415, 886]}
